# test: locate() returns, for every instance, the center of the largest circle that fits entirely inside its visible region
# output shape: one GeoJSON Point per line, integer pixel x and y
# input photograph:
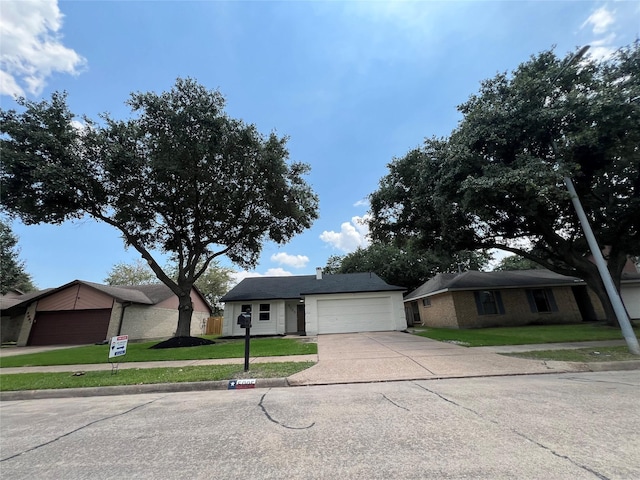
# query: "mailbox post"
{"type": "Point", "coordinates": [244, 320]}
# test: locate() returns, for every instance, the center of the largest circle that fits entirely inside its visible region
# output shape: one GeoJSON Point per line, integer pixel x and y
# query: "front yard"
{"type": "Point", "coordinates": [140, 352]}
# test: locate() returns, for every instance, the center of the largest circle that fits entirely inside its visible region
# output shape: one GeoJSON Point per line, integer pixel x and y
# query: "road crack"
{"type": "Point", "coordinates": [516, 432]}
{"type": "Point", "coordinates": [264, 410]}
{"type": "Point", "coordinates": [78, 429]}
{"type": "Point", "coordinates": [394, 403]}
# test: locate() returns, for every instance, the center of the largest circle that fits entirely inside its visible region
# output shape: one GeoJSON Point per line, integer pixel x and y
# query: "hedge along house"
{"type": "Point", "coordinates": [315, 304]}
{"type": "Point", "coordinates": [484, 299]}
{"type": "Point", "coordinates": [84, 312]}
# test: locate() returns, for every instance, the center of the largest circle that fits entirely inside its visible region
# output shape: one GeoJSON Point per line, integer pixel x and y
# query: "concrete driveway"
{"type": "Point", "coordinates": [388, 356]}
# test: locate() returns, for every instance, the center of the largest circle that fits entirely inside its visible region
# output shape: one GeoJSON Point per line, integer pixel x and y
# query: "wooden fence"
{"type": "Point", "coordinates": [214, 326]}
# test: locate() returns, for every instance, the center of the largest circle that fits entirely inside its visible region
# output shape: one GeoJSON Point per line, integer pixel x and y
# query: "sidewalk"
{"type": "Point", "coordinates": [353, 358]}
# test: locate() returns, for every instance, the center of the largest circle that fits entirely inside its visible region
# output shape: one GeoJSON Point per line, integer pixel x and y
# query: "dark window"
{"type": "Point", "coordinates": [488, 302]}
{"type": "Point", "coordinates": [426, 302]}
{"type": "Point", "coordinates": [245, 308]}
{"type": "Point", "coordinates": [265, 309]}
{"type": "Point", "coordinates": [541, 300]}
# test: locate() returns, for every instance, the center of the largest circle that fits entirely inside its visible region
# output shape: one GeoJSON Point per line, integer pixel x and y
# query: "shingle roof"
{"type": "Point", "coordinates": [141, 294]}
{"type": "Point", "coordinates": [295, 287]}
{"type": "Point", "coordinates": [474, 280]}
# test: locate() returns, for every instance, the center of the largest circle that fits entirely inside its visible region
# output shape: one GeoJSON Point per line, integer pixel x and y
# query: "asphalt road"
{"type": "Point", "coordinates": [559, 426]}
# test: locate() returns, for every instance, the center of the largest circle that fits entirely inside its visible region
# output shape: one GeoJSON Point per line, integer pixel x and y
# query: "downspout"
{"type": "Point", "coordinates": [124, 305]}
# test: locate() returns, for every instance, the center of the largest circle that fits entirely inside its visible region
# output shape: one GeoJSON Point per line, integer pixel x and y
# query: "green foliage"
{"type": "Point", "coordinates": [12, 273]}
{"type": "Point", "coordinates": [212, 283]}
{"type": "Point", "coordinates": [180, 177]}
{"type": "Point", "coordinates": [137, 273]}
{"type": "Point", "coordinates": [516, 262]}
{"type": "Point", "coordinates": [498, 178]}
{"type": "Point", "coordinates": [405, 267]}
{"type": "Point", "coordinates": [141, 352]}
{"type": "Point", "coordinates": [145, 376]}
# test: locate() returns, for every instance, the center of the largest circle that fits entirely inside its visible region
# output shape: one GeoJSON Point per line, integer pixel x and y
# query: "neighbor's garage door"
{"type": "Point", "coordinates": [74, 327]}
{"type": "Point", "coordinates": [355, 315]}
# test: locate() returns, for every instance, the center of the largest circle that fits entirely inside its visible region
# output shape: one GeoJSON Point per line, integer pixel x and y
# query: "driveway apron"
{"type": "Point", "coordinates": [389, 356]}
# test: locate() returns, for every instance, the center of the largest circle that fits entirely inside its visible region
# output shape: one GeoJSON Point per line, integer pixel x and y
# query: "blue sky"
{"type": "Point", "coordinates": [352, 83]}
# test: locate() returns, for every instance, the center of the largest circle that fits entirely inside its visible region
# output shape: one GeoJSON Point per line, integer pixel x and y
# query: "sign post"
{"type": "Point", "coordinates": [117, 349]}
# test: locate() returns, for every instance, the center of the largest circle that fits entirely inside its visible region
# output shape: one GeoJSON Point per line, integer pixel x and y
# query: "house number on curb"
{"type": "Point", "coordinates": [242, 384]}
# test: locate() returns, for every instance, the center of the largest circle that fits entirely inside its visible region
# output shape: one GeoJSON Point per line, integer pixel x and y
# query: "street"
{"type": "Point", "coordinates": [573, 426]}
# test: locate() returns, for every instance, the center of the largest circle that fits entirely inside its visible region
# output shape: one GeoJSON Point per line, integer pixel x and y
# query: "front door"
{"type": "Point", "coordinates": [301, 320]}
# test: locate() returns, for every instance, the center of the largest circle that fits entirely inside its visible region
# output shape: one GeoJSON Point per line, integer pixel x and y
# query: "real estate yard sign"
{"type": "Point", "coordinates": [118, 346]}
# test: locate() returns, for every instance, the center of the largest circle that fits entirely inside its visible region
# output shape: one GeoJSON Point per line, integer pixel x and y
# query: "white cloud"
{"type": "Point", "coordinates": [600, 21]}
{"type": "Point", "coordinates": [295, 261]}
{"type": "Point", "coordinates": [362, 203]}
{"type": "Point", "coordinates": [352, 235]}
{"type": "Point", "coordinates": [237, 277]}
{"type": "Point", "coordinates": [31, 47]}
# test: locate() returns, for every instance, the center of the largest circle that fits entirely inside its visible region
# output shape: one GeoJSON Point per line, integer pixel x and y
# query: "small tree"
{"type": "Point", "coordinates": [12, 273]}
{"type": "Point", "coordinates": [516, 262]}
{"type": "Point", "coordinates": [137, 273]}
{"type": "Point", "coordinates": [405, 267]}
{"type": "Point", "coordinates": [180, 177]}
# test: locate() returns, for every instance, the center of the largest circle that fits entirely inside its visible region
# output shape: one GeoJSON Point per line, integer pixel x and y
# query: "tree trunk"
{"type": "Point", "coordinates": [185, 312]}
{"type": "Point", "coordinates": [595, 283]}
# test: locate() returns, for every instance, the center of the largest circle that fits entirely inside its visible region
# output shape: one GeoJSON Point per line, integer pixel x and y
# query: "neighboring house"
{"type": "Point", "coordinates": [484, 299]}
{"type": "Point", "coordinates": [84, 312]}
{"type": "Point", "coordinates": [312, 304]}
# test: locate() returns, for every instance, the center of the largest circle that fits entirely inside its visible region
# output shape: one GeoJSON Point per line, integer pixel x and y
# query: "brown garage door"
{"type": "Point", "coordinates": [73, 327]}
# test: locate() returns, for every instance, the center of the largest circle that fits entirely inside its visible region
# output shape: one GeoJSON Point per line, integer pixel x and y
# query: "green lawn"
{"type": "Point", "coordinates": [140, 352]}
{"type": "Point", "coordinates": [525, 335]}
{"type": "Point", "coordinates": [135, 376]}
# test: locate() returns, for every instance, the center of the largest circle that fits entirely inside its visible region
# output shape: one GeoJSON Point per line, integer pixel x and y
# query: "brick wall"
{"type": "Point", "coordinates": [459, 310]}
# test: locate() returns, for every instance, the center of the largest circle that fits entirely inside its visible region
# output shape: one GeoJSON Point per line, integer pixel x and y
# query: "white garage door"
{"type": "Point", "coordinates": [367, 314]}
{"type": "Point", "coordinates": [631, 299]}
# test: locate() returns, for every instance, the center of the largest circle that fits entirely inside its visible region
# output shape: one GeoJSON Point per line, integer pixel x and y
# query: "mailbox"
{"type": "Point", "coordinates": [244, 320]}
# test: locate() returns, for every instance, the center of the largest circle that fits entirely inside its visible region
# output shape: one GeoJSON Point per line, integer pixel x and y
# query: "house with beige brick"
{"type": "Point", "coordinates": [82, 312]}
{"type": "Point", "coordinates": [476, 299]}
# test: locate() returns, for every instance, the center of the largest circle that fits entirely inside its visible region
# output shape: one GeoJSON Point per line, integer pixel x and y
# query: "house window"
{"type": "Point", "coordinates": [265, 311]}
{"type": "Point", "coordinates": [488, 302]}
{"type": "Point", "coordinates": [541, 300]}
{"type": "Point", "coordinates": [426, 302]}
{"type": "Point", "coordinates": [245, 308]}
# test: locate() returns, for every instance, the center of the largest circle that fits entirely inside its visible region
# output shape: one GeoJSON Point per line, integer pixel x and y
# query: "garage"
{"type": "Point", "coordinates": [631, 297]}
{"type": "Point", "coordinates": [74, 327]}
{"type": "Point", "coordinates": [360, 314]}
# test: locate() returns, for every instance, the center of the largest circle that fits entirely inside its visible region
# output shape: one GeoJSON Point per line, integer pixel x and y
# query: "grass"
{"type": "Point", "coordinates": [585, 355]}
{"type": "Point", "coordinates": [140, 352]}
{"type": "Point", "coordinates": [142, 376]}
{"type": "Point", "coordinates": [531, 334]}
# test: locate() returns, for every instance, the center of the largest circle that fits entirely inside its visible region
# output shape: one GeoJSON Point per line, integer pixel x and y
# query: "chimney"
{"type": "Point", "coordinates": [318, 273]}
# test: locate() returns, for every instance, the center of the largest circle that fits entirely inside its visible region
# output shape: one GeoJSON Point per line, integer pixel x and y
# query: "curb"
{"type": "Point", "coordinates": [260, 383]}
{"type": "Point", "coordinates": [135, 389]}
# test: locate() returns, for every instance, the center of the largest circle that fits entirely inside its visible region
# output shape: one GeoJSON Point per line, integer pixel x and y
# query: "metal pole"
{"type": "Point", "coordinates": [605, 275]}
{"type": "Point", "coordinates": [612, 292]}
{"type": "Point", "coordinates": [247, 337]}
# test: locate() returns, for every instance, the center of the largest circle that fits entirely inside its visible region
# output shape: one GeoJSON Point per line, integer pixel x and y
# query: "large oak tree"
{"type": "Point", "coordinates": [497, 180]}
{"type": "Point", "coordinates": [180, 176]}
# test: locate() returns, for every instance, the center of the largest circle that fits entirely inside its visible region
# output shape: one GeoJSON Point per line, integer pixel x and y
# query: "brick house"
{"type": "Point", "coordinates": [486, 299]}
